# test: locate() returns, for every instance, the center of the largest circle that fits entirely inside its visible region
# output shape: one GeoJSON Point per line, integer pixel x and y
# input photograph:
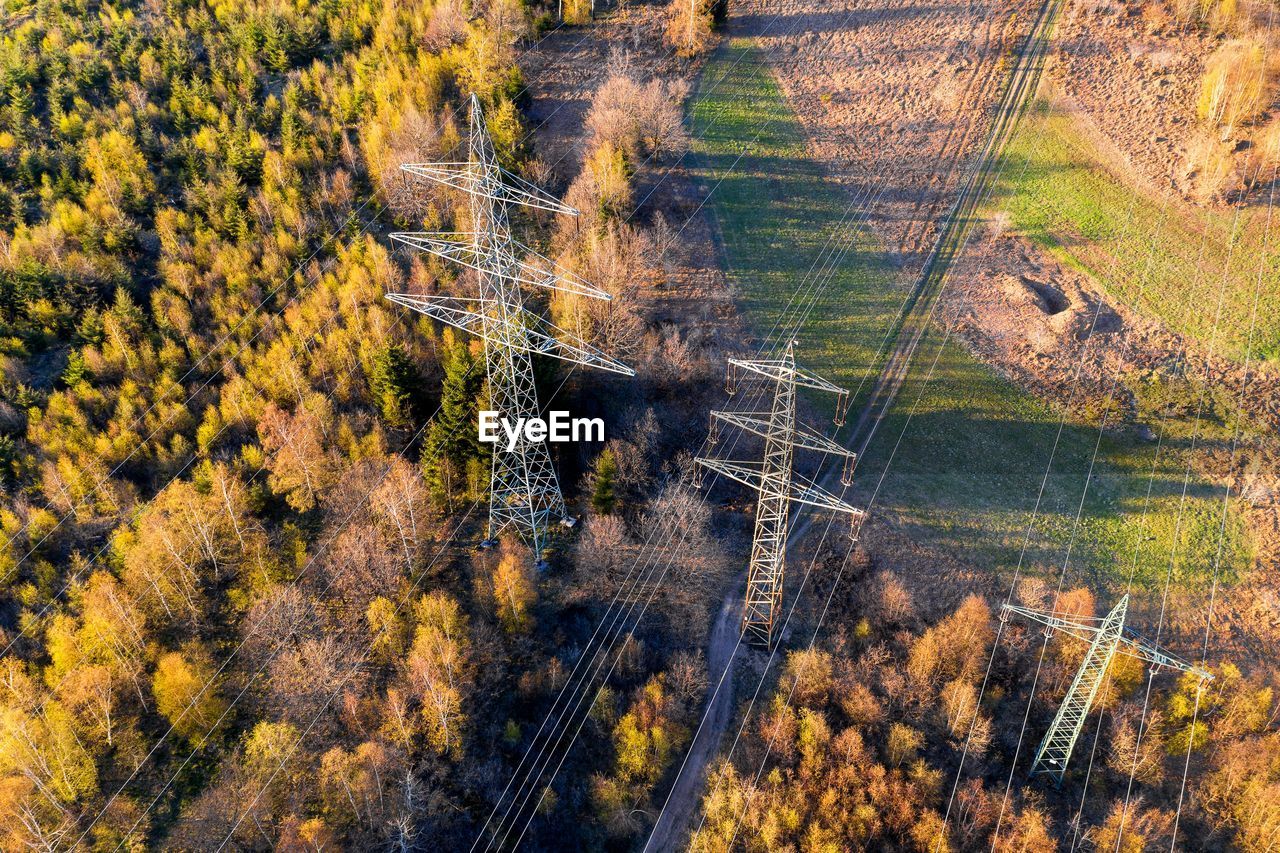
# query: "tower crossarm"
{"type": "Point", "coordinates": [749, 474]}
{"type": "Point", "coordinates": [800, 490]}
{"type": "Point", "coordinates": [546, 338]}
{"type": "Point", "coordinates": [529, 267]}
{"type": "Point", "coordinates": [781, 370]}
{"type": "Point", "coordinates": [1131, 642]}
{"type": "Point", "coordinates": [465, 314]}
{"type": "Point", "coordinates": [540, 337]}
{"type": "Point", "coordinates": [803, 437]}
{"type": "Point", "coordinates": [491, 181]}
{"type": "Point", "coordinates": [1082, 628]}
{"type": "Point", "coordinates": [1137, 646]}
{"type": "Point", "coordinates": [805, 491]}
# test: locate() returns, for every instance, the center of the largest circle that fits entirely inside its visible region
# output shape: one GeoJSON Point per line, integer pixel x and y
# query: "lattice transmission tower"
{"type": "Point", "coordinates": [523, 489]}
{"type": "Point", "coordinates": [774, 479]}
{"type": "Point", "coordinates": [1106, 636]}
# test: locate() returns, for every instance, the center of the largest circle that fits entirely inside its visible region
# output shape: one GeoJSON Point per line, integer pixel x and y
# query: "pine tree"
{"type": "Point", "coordinates": [277, 46]}
{"type": "Point", "coordinates": [396, 385]}
{"type": "Point", "coordinates": [604, 498]}
{"type": "Point", "coordinates": [453, 441]}
{"type": "Point", "coordinates": [77, 369]}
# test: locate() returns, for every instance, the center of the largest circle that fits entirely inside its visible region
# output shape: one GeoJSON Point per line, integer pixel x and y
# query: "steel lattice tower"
{"type": "Point", "coordinates": [1106, 637]}
{"type": "Point", "coordinates": [776, 482]}
{"type": "Point", "coordinates": [523, 489]}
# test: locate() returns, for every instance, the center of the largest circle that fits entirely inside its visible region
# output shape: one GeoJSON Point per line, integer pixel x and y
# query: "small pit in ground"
{"type": "Point", "coordinates": [1048, 298]}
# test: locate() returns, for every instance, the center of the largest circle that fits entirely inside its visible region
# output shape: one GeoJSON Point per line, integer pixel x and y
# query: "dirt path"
{"type": "Point", "coordinates": [682, 802]}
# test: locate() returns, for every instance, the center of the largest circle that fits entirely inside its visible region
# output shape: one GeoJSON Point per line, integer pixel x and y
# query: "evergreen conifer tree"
{"type": "Point", "coordinates": [604, 498]}
{"type": "Point", "coordinates": [453, 440]}
{"type": "Point", "coordinates": [396, 385]}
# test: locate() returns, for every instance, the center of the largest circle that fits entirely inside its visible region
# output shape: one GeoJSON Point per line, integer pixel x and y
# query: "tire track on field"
{"type": "Point", "coordinates": [956, 228]}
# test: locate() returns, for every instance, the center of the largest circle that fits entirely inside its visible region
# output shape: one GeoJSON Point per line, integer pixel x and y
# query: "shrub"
{"type": "Point", "coordinates": [602, 190]}
{"type": "Point", "coordinates": [902, 744]}
{"type": "Point", "coordinates": [1236, 81]}
{"type": "Point", "coordinates": [1217, 16]}
{"type": "Point", "coordinates": [576, 11]}
{"type": "Point", "coordinates": [638, 118]}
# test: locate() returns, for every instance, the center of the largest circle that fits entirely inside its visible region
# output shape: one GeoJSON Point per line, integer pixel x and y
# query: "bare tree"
{"type": "Point", "coordinates": [638, 117]}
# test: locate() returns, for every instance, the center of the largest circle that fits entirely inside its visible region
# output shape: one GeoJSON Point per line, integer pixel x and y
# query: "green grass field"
{"type": "Point", "coordinates": [968, 466]}
{"type": "Point", "coordinates": [783, 226]}
{"type": "Point", "coordinates": [1058, 193]}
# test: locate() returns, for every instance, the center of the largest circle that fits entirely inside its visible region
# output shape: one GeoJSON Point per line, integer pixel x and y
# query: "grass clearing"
{"type": "Point", "coordinates": [777, 213]}
{"type": "Point", "coordinates": [1059, 194]}
{"type": "Point", "coordinates": [970, 463]}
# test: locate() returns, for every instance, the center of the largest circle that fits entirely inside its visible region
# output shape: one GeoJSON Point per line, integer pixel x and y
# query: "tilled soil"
{"type": "Point", "coordinates": [894, 122]}
{"type": "Point", "coordinates": [1133, 73]}
{"type": "Point", "coordinates": [893, 96]}
{"type": "Point", "coordinates": [1039, 322]}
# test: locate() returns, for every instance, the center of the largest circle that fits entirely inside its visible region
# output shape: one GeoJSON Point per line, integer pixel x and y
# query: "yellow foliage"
{"type": "Point", "coordinates": [186, 694]}
{"type": "Point", "coordinates": [514, 591]}
{"type": "Point", "coordinates": [439, 670]}
{"type": "Point", "coordinates": [1218, 15]}
{"type": "Point", "coordinates": [268, 746]}
{"type": "Point", "coordinates": [1236, 85]}
{"type": "Point", "coordinates": [902, 744]}
{"type": "Point", "coordinates": [44, 746]}
{"type": "Point", "coordinates": [689, 26]}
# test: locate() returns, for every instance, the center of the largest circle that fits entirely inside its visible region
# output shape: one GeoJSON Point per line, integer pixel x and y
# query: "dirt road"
{"type": "Point", "coordinates": [682, 802]}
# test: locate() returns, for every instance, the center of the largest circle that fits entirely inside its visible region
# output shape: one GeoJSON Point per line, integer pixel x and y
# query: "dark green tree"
{"type": "Point", "coordinates": [396, 385]}
{"type": "Point", "coordinates": [278, 45]}
{"type": "Point", "coordinates": [77, 370]}
{"type": "Point", "coordinates": [604, 497]}
{"type": "Point", "coordinates": [453, 440]}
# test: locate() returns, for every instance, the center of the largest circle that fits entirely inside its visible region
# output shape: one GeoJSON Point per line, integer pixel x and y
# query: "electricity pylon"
{"type": "Point", "coordinates": [775, 481]}
{"type": "Point", "coordinates": [523, 489]}
{"type": "Point", "coordinates": [1106, 637]}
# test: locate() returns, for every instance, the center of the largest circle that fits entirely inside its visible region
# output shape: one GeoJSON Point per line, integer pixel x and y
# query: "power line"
{"type": "Point", "coordinates": [619, 618]}
{"type": "Point", "coordinates": [1018, 95]}
{"type": "Point", "coordinates": [242, 693]}
{"type": "Point", "coordinates": [1226, 496]}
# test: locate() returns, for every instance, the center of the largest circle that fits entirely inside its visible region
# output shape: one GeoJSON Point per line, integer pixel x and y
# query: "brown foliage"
{"type": "Point", "coordinates": [1127, 755]}
{"type": "Point", "coordinates": [1243, 791]}
{"type": "Point", "coordinates": [641, 119]}
{"type": "Point", "coordinates": [1132, 828]}
{"type": "Point", "coordinates": [301, 463]}
{"type": "Point", "coordinates": [954, 648]}
{"type": "Point", "coordinates": [809, 671]}
{"type": "Point", "coordinates": [306, 682]}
